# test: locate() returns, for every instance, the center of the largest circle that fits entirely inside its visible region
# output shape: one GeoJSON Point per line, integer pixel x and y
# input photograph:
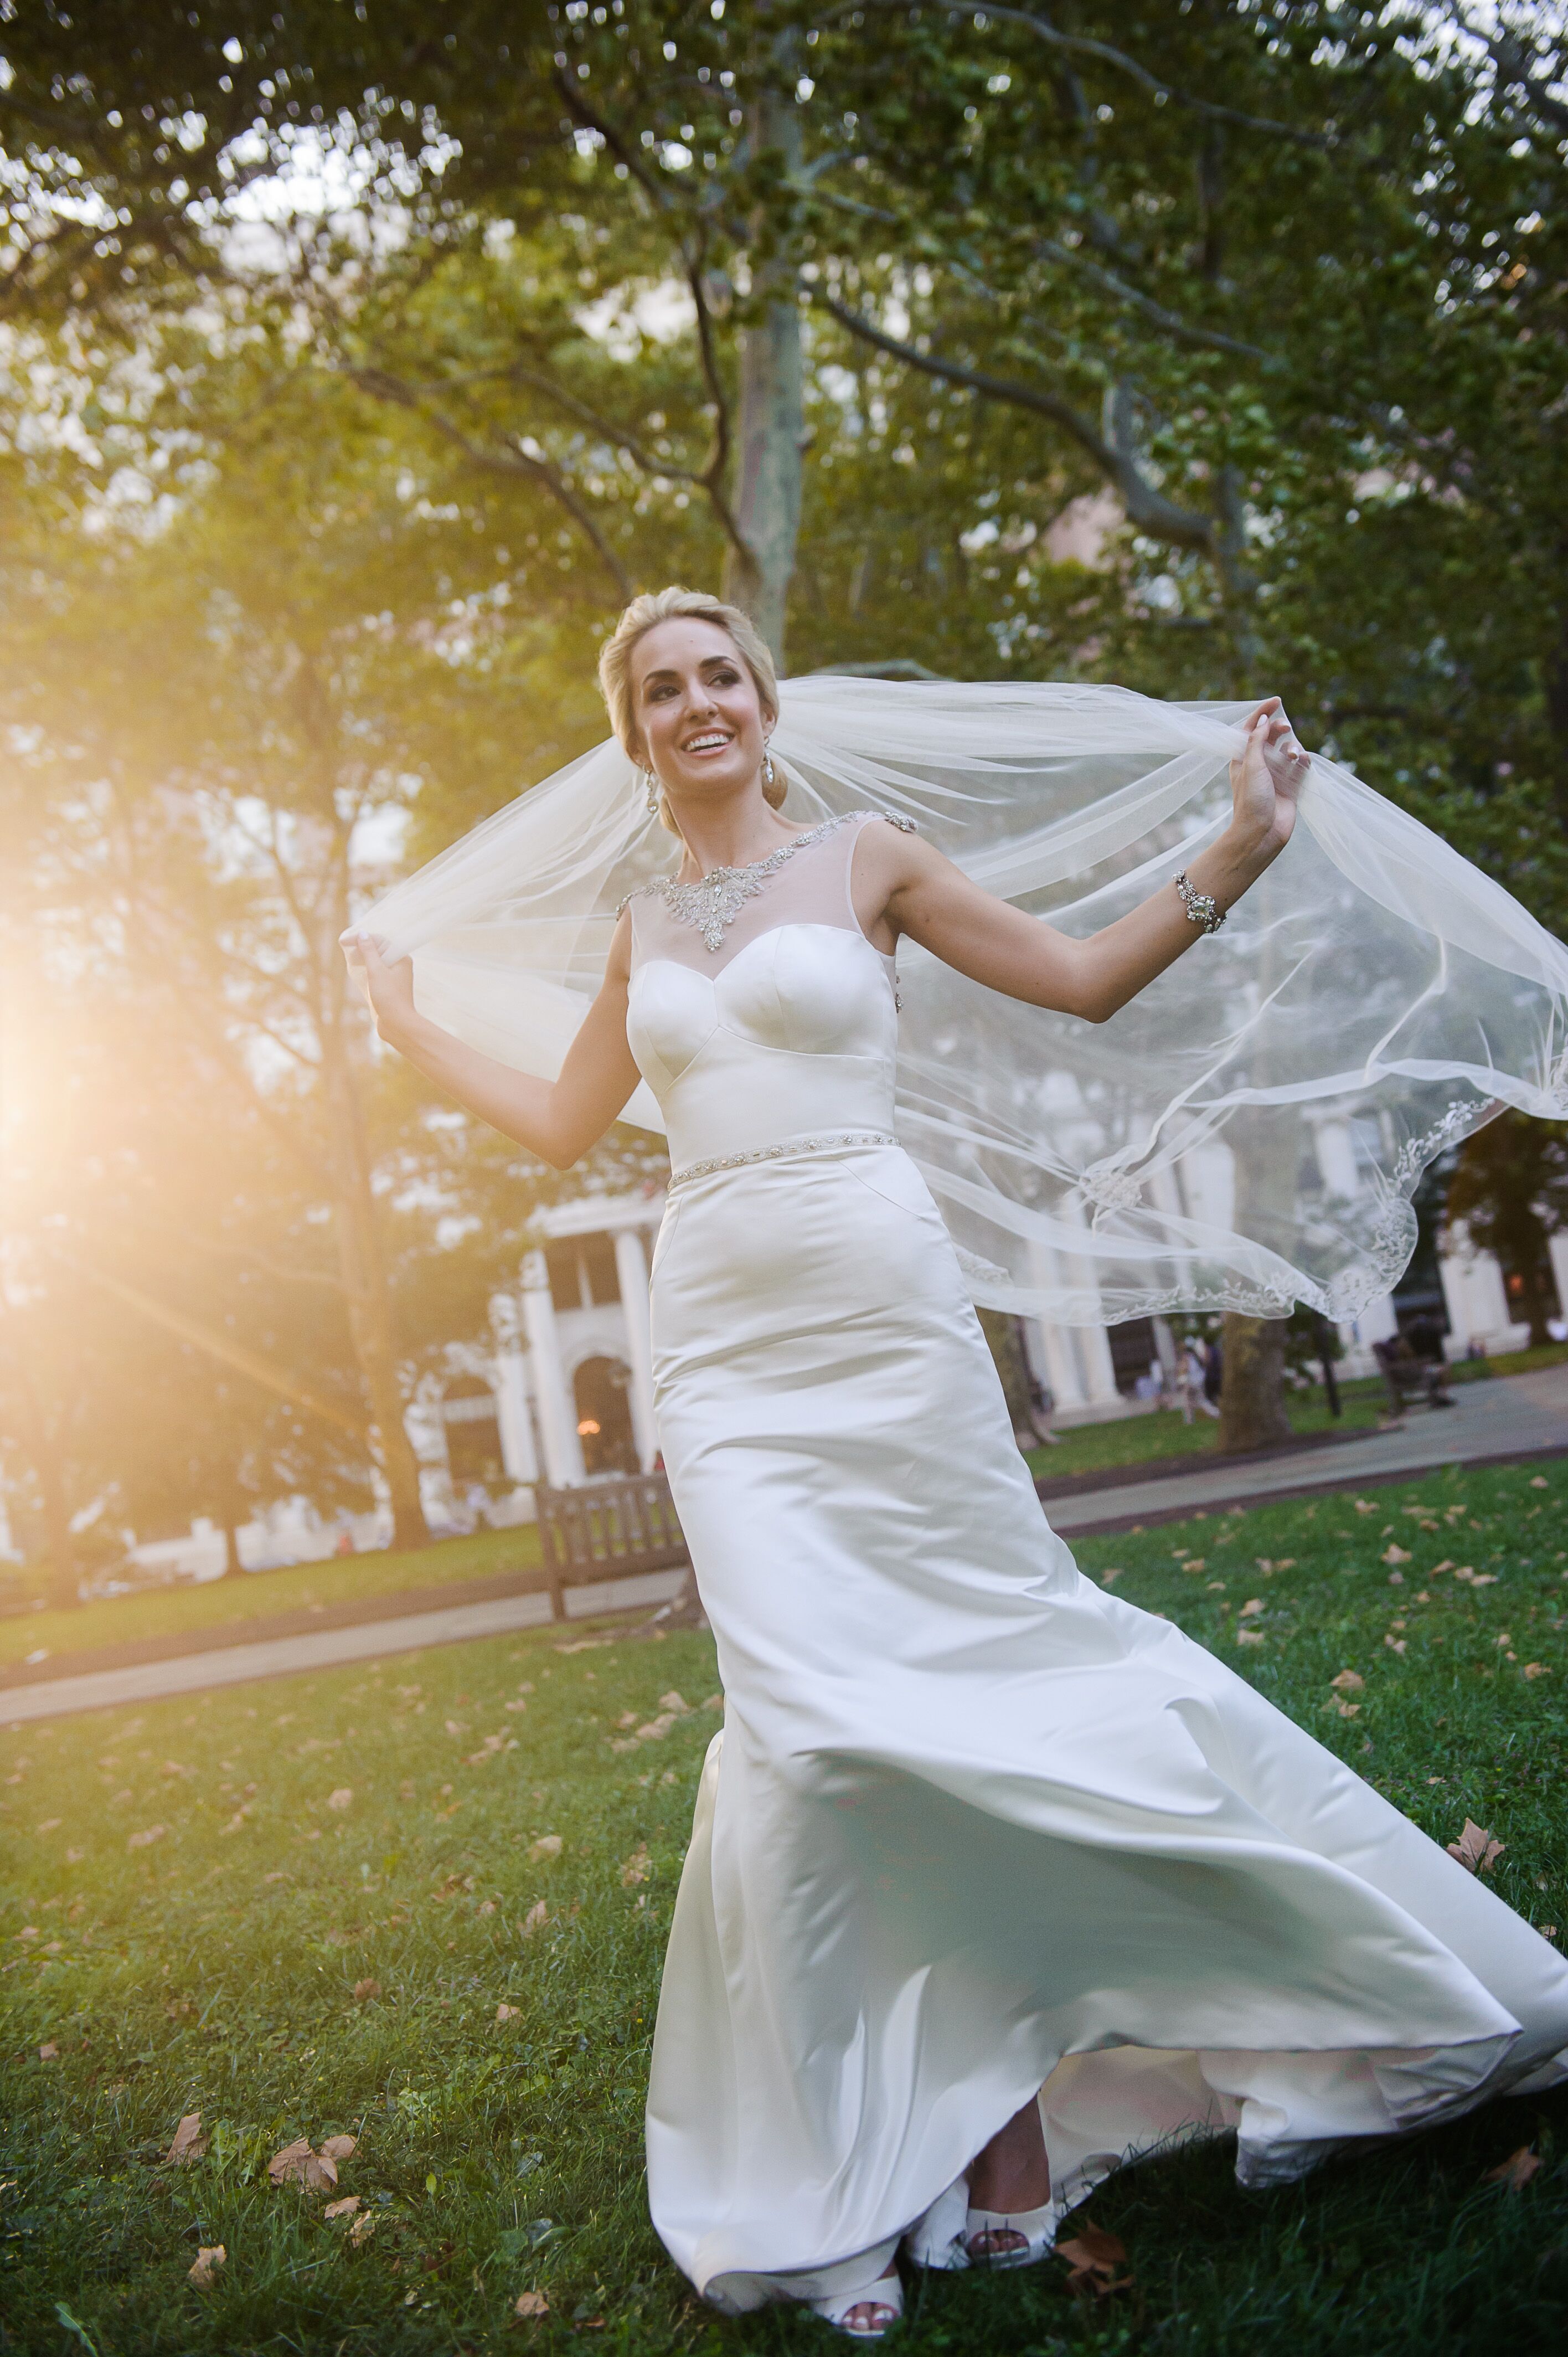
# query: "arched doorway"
{"type": "Point", "coordinates": [600, 1388]}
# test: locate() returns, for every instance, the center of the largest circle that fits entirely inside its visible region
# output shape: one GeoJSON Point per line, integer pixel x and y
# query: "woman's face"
{"type": "Point", "coordinates": [696, 708]}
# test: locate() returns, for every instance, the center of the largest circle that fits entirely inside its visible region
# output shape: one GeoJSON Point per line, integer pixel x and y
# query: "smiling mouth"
{"type": "Point", "coordinates": [711, 741]}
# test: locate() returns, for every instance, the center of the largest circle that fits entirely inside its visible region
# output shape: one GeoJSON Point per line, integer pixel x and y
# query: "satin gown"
{"type": "Point", "coordinates": [974, 1828]}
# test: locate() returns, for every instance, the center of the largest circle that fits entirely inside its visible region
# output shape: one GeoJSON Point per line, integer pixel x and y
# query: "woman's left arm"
{"type": "Point", "coordinates": [914, 890]}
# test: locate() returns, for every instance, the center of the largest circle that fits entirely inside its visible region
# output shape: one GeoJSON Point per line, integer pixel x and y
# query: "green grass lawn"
{"type": "Point", "coordinates": [299, 1906]}
{"type": "Point", "coordinates": [1152, 1437]}
{"type": "Point", "coordinates": [1149, 1438]}
{"type": "Point", "coordinates": [254, 1595]}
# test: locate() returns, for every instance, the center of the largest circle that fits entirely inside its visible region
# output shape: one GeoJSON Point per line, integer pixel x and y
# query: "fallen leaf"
{"type": "Point", "coordinates": [338, 2147]}
{"type": "Point", "coordinates": [636, 1867]}
{"type": "Point", "coordinates": [366, 1989]}
{"type": "Point", "coordinates": [1539, 1481]}
{"type": "Point", "coordinates": [342, 1798]}
{"type": "Point", "coordinates": [363, 2227]}
{"type": "Point", "coordinates": [208, 2260]}
{"type": "Point", "coordinates": [1396, 1645]}
{"type": "Point", "coordinates": [49, 2051]}
{"type": "Point", "coordinates": [145, 1840]}
{"type": "Point", "coordinates": [548, 1846]}
{"type": "Point", "coordinates": [676, 1703]}
{"type": "Point", "coordinates": [1093, 2258]}
{"type": "Point", "coordinates": [190, 2143]}
{"type": "Point", "coordinates": [1348, 1681]}
{"type": "Point", "coordinates": [1250, 1637]}
{"type": "Point", "coordinates": [657, 1728]}
{"type": "Point", "coordinates": [1253, 1604]}
{"type": "Point", "coordinates": [531, 2306]}
{"type": "Point", "coordinates": [507, 2012]}
{"type": "Point", "coordinates": [345, 2208]}
{"type": "Point", "coordinates": [535, 1919]}
{"type": "Point", "coordinates": [1475, 1849]}
{"type": "Point", "coordinates": [1536, 1670]}
{"type": "Point", "coordinates": [713, 1702]}
{"type": "Point", "coordinates": [50, 1824]}
{"type": "Point", "coordinates": [1516, 2172]}
{"type": "Point", "coordinates": [1363, 1505]}
{"type": "Point", "coordinates": [1345, 1709]}
{"type": "Point", "coordinates": [297, 2164]}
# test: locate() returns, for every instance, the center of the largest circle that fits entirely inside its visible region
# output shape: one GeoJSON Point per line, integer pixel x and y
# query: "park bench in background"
{"type": "Point", "coordinates": [607, 1529]}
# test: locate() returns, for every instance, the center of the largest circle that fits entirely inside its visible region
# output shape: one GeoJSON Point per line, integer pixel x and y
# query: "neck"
{"type": "Point", "coordinates": [730, 835]}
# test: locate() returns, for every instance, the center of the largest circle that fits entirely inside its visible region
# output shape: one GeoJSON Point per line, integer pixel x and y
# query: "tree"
{"type": "Point", "coordinates": [1509, 1189]}
{"type": "Point", "coordinates": [861, 310]}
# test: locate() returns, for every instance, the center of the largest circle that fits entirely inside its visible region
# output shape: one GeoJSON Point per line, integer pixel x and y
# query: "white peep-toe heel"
{"type": "Point", "coordinates": [1010, 2238]}
{"type": "Point", "coordinates": [883, 2298]}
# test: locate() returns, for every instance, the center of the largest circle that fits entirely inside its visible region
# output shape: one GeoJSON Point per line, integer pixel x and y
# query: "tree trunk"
{"type": "Point", "coordinates": [40, 1443]}
{"type": "Point", "coordinates": [1252, 1391]}
{"type": "Point", "coordinates": [364, 1275]}
{"type": "Point", "coordinates": [772, 402]}
{"type": "Point", "coordinates": [1006, 1343]}
{"type": "Point", "coordinates": [359, 1257]}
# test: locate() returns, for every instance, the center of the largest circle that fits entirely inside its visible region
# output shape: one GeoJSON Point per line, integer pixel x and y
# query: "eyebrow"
{"type": "Point", "coordinates": [708, 661]}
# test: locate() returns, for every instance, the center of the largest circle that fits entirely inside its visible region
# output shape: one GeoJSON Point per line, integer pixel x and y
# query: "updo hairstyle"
{"type": "Point", "coordinates": [663, 606]}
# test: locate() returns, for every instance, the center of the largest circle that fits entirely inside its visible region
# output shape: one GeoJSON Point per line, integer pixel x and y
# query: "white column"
{"type": "Point", "coordinates": [631, 1274]}
{"type": "Point", "coordinates": [512, 1416]}
{"type": "Point", "coordinates": [563, 1464]}
{"type": "Point", "coordinates": [1559, 1250]}
{"type": "Point", "coordinates": [1099, 1368]}
{"type": "Point", "coordinates": [1335, 1152]}
{"type": "Point", "coordinates": [1061, 1365]}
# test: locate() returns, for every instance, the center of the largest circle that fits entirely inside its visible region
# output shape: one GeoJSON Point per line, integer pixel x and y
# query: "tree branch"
{"type": "Point", "coordinates": [1204, 338]}
{"type": "Point", "coordinates": [1080, 45]}
{"type": "Point", "coordinates": [218, 1346]}
{"type": "Point", "coordinates": [1146, 507]}
{"type": "Point", "coordinates": [510, 462]}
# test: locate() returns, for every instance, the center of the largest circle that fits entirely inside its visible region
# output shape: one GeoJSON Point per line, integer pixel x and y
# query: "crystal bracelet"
{"type": "Point", "coordinates": [1202, 909]}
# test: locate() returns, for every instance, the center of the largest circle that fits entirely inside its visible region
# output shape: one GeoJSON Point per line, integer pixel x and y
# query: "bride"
{"type": "Point", "coordinates": [995, 1882]}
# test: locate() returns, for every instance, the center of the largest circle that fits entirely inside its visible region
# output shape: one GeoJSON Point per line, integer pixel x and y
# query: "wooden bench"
{"type": "Point", "coordinates": [607, 1529]}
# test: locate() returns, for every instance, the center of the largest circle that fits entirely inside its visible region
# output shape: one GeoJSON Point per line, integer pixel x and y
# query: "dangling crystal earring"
{"type": "Point", "coordinates": [766, 766]}
{"type": "Point", "coordinates": [651, 782]}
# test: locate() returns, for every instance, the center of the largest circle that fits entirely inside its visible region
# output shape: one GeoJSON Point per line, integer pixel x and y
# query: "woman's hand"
{"type": "Point", "coordinates": [388, 986]}
{"type": "Point", "coordinates": [1266, 779]}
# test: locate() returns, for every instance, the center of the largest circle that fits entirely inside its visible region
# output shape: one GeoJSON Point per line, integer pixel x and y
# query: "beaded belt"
{"type": "Point", "coordinates": [835, 1140]}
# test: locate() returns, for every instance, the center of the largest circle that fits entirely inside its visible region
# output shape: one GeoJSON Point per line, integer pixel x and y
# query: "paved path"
{"type": "Point", "coordinates": [1510, 1415]}
{"type": "Point", "coordinates": [1506, 1416]}
{"type": "Point", "coordinates": [321, 1648]}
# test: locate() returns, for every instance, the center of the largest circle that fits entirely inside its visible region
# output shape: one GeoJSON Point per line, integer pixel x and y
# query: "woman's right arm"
{"type": "Point", "coordinates": [558, 1120]}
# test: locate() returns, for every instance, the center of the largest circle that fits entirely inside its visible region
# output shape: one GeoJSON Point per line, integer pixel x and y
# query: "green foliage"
{"type": "Point", "coordinates": [185, 1978]}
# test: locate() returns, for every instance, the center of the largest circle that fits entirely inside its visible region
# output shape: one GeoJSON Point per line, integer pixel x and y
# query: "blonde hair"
{"type": "Point", "coordinates": [663, 606]}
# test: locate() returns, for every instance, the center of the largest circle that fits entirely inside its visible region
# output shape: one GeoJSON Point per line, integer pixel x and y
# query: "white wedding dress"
{"type": "Point", "coordinates": [973, 1827]}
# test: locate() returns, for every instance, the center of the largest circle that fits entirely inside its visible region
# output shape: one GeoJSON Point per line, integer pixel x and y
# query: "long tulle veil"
{"type": "Point", "coordinates": [1247, 1134]}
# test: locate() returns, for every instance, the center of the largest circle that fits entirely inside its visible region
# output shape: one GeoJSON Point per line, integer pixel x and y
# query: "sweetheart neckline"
{"type": "Point", "coordinates": [789, 925]}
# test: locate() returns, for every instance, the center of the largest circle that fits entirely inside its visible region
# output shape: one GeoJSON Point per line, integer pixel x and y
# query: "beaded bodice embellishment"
{"type": "Point", "coordinates": [713, 903]}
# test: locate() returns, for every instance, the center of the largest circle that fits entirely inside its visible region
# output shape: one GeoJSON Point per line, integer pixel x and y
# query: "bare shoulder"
{"type": "Point", "coordinates": [617, 964]}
